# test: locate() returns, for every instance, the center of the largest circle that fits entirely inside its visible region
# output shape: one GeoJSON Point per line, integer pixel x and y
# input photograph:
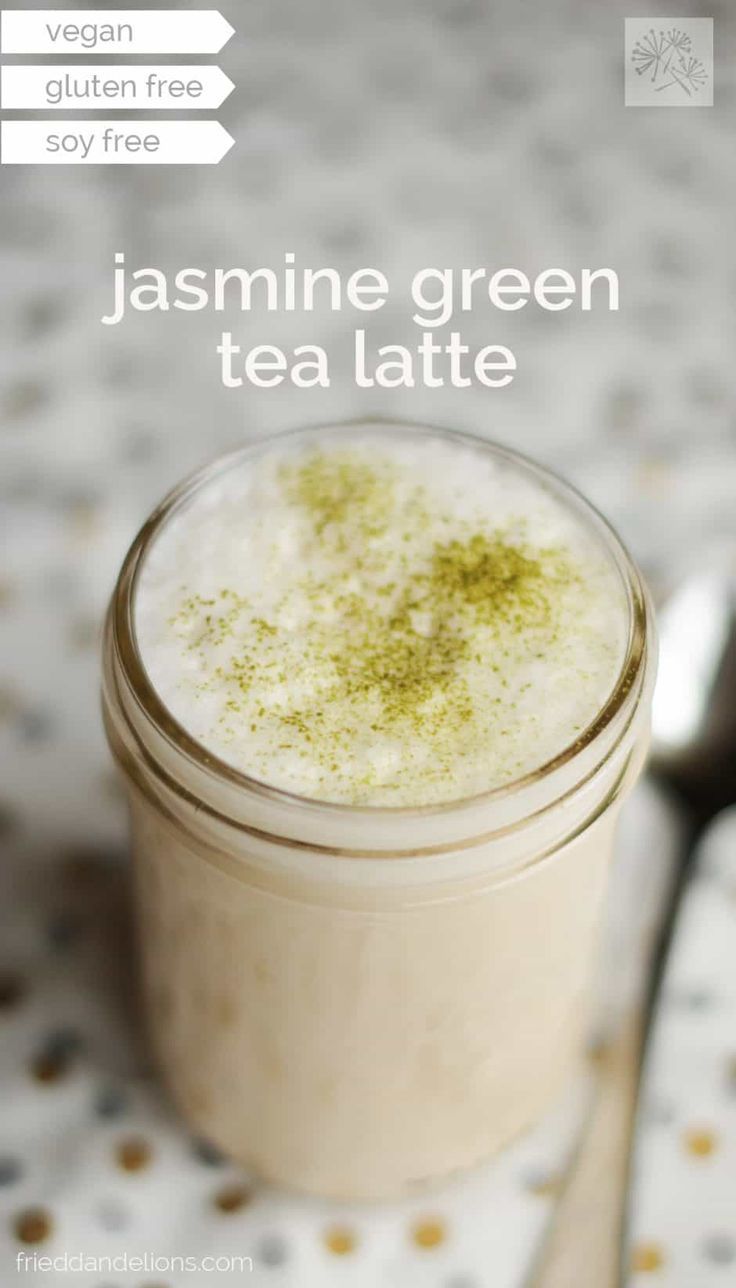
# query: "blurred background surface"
{"type": "Point", "coordinates": [427, 133]}
{"type": "Point", "coordinates": [448, 133]}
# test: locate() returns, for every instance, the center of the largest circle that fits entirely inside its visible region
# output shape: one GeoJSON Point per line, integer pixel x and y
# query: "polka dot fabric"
{"type": "Point", "coordinates": [683, 1220]}
{"type": "Point", "coordinates": [456, 133]}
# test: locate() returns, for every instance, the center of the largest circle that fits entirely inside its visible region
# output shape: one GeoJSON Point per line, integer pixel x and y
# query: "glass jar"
{"type": "Point", "coordinates": [356, 1001]}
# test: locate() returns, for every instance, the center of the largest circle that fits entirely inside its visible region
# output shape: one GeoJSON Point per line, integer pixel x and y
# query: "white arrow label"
{"type": "Point", "coordinates": [113, 143]}
{"type": "Point", "coordinates": [108, 31]}
{"type": "Point", "coordinates": [113, 86]}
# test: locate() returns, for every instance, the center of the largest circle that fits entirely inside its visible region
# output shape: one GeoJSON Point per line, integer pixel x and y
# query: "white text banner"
{"type": "Point", "coordinates": [113, 86]}
{"type": "Point", "coordinates": [107, 31]}
{"type": "Point", "coordinates": [113, 143]}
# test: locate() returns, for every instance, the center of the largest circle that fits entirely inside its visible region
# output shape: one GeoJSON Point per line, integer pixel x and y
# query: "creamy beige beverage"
{"type": "Point", "coordinates": [378, 693]}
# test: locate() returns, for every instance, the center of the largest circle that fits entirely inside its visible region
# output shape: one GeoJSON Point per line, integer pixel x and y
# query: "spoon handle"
{"type": "Point", "coordinates": [586, 1242]}
{"type": "Point", "coordinates": [584, 1247]}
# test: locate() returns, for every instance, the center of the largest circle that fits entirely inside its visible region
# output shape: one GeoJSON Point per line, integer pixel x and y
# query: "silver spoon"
{"type": "Point", "coordinates": [694, 757]}
{"type": "Point", "coordinates": [694, 709]}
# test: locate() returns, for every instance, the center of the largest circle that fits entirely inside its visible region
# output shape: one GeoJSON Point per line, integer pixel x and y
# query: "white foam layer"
{"type": "Point", "coordinates": [383, 619]}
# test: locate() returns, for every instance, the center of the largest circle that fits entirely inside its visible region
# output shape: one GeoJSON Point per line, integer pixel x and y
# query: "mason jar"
{"type": "Point", "coordinates": [357, 1001]}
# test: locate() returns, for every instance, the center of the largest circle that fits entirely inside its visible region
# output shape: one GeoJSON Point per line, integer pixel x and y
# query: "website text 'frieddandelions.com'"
{"type": "Point", "coordinates": [129, 1263]}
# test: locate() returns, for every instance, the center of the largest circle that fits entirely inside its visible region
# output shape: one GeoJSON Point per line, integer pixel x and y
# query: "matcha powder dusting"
{"type": "Point", "coordinates": [380, 625]}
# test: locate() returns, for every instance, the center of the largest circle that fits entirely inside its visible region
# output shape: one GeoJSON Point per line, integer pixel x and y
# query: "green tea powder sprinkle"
{"type": "Point", "coordinates": [373, 632]}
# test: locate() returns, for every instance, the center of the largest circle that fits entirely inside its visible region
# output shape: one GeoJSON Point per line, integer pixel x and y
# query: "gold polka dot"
{"type": "Point", "coordinates": [83, 633]}
{"type": "Point", "coordinates": [32, 1226]}
{"type": "Point", "coordinates": [11, 990]}
{"type": "Point", "coordinates": [429, 1233]}
{"type": "Point", "coordinates": [50, 1066]}
{"type": "Point", "coordinates": [83, 519]}
{"type": "Point", "coordinates": [700, 1142]}
{"type": "Point", "coordinates": [654, 476]}
{"type": "Point", "coordinates": [340, 1241]}
{"type": "Point", "coordinates": [232, 1198]}
{"type": "Point", "coordinates": [646, 1257]}
{"type": "Point", "coordinates": [544, 1186]}
{"type": "Point", "coordinates": [599, 1053]}
{"type": "Point", "coordinates": [133, 1154]}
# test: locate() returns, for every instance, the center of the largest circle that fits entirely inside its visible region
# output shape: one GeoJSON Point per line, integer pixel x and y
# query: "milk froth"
{"type": "Point", "coordinates": [380, 618]}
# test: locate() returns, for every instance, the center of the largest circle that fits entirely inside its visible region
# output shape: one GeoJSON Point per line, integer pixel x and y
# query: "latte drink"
{"type": "Point", "coordinates": [378, 693]}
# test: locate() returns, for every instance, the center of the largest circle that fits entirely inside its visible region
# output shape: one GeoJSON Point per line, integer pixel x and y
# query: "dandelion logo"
{"type": "Point", "coordinates": [669, 62]}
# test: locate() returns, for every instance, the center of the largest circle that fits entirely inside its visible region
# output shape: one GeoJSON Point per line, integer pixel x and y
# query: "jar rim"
{"type": "Point", "coordinates": [175, 734]}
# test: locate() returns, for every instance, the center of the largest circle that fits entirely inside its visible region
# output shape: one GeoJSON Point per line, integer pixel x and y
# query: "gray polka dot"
{"type": "Point", "coordinates": [720, 1249]}
{"type": "Point", "coordinates": [55, 1055]}
{"type": "Point", "coordinates": [208, 1154]}
{"type": "Point", "coordinates": [110, 1102]}
{"type": "Point", "coordinates": [43, 314]}
{"type": "Point", "coordinates": [555, 152]}
{"type": "Point", "coordinates": [76, 499]}
{"type": "Point", "coordinates": [10, 1170]}
{"type": "Point", "coordinates": [659, 1113]}
{"type": "Point", "coordinates": [273, 1251]}
{"type": "Point", "coordinates": [668, 258]}
{"type": "Point", "coordinates": [62, 1044]}
{"type": "Point", "coordinates": [112, 1216]}
{"type": "Point", "coordinates": [138, 445]}
{"type": "Point", "coordinates": [63, 929]}
{"type": "Point", "coordinates": [348, 237]}
{"type": "Point", "coordinates": [694, 998]}
{"type": "Point", "coordinates": [83, 632]}
{"type": "Point", "coordinates": [119, 370]}
{"type": "Point", "coordinates": [459, 13]}
{"type": "Point", "coordinates": [624, 405]}
{"type": "Point", "coordinates": [22, 398]}
{"type": "Point", "coordinates": [35, 726]}
{"type": "Point", "coordinates": [512, 84]}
